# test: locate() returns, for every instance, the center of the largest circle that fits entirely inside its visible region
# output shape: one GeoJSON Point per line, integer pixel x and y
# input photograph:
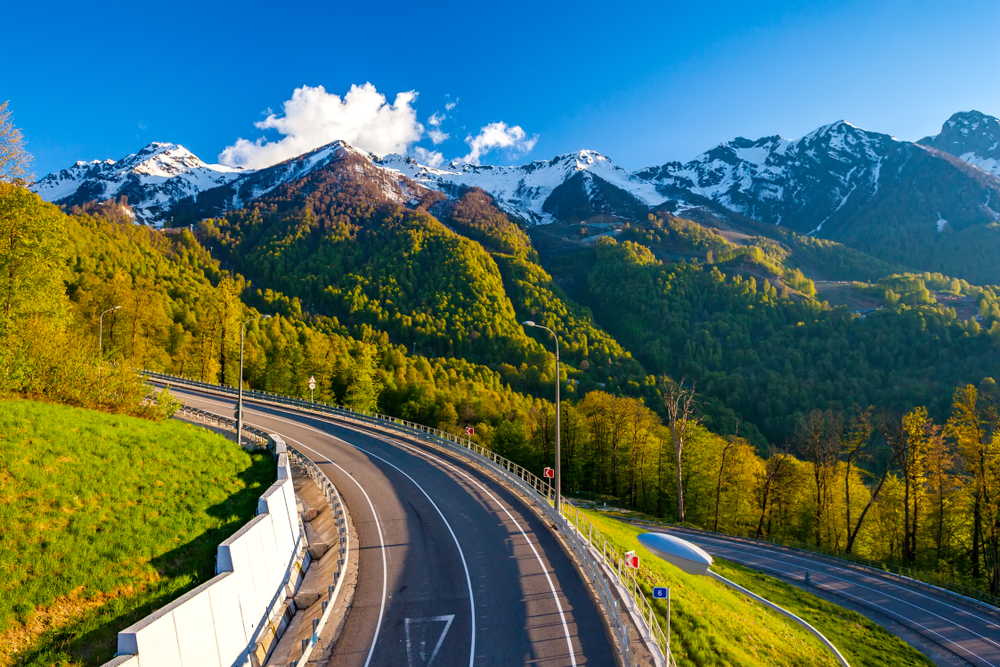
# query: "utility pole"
{"type": "Point", "coordinates": [100, 337]}
{"type": "Point", "coordinates": [239, 406]}
{"type": "Point", "coordinates": [558, 466]}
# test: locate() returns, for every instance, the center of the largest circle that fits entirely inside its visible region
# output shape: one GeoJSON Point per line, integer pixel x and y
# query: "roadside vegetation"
{"type": "Point", "coordinates": [103, 519]}
{"type": "Point", "coordinates": [714, 625]}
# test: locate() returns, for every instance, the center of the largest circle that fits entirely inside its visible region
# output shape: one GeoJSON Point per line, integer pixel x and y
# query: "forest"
{"type": "Point", "coordinates": [703, 382]}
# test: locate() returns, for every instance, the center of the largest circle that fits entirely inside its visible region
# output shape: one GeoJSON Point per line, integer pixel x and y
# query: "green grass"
{"type": "Point", "coordinates": [714, 625]}
{"type": "Point", "coordinates": [104, 518]}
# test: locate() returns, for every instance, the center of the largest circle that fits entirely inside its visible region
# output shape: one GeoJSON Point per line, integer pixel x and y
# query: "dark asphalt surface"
{"type": "Point", "coordinates": [454, 570]}
{"type": "Point", "coordinates": [968, 632]}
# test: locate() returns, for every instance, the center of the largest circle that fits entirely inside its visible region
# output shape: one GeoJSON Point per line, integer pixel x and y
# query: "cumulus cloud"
{"type": "Point", "coordinates": [436, 119]}
{"type": "Point", "coordinates": [450, 105]}
{"type": "Point", "coordinates": [437, 136]}
{"type": "Point", "coordinates": [498, 135]}
{"type": "Point", "coordinates": [314, 117]}
{"type": "Point", "coordinates": [428, 158]}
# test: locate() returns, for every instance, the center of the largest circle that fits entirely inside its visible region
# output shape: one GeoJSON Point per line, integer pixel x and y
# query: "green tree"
{"type": "Point", "coordinates": [363, 393]}
{"type": "Point", "coordinates": [31, 256]}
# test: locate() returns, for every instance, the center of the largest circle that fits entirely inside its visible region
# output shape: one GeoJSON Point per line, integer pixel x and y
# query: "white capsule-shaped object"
{"type": "Point", "coordinates": [681, 553]}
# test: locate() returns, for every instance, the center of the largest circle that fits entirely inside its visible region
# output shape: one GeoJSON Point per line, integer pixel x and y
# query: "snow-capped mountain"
{"type": "Point", "coordinates": [838, 182]}
{"type": "Point", "coordinates": [162, 177]}
{"type": "Point", "coordinates": [971, 136]}
{"type": "Point", "coordinates": [578, 184]}
{"type": "Point", "coordinates": [153, 180]}
{"type": "Point", "coordinates": [802, 183]}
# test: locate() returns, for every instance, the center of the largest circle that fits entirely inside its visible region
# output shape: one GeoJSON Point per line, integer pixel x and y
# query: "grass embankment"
{"type": "Point", "coordinates": [103, 519]}
{"type": "Point", "coordinates": [714, 625]}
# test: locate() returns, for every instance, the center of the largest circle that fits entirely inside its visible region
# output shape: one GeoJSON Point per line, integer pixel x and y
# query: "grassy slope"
{"type": "Point", "coordinates": [713, 625]}
{"type": "Point", "coordinates": [104, 518]}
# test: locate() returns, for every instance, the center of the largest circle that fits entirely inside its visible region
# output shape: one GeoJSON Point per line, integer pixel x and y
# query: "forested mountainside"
{"type": "Point", "coordinates": [735, 313]}
{"type": "Point", "coordinates": [731, 315]}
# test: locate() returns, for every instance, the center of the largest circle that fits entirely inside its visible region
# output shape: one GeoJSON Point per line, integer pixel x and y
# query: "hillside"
{"type": "Point", "coordinates": [120, 549]}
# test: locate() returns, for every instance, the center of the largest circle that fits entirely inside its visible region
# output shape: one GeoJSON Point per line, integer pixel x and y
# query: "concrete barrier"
{"type": "Point", "coordinates": [218, 623]}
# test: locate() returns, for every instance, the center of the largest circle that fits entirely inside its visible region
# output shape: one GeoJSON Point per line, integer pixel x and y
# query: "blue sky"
{"type": "Point", "coordinates": [643, 83]}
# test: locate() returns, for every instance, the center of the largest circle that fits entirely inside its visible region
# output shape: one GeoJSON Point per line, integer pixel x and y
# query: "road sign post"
{"type": "Point", "coordinates": [631, 560]}
{"type": "Point", "coordinates": [548, 472]}
{"type": "Point", "coordinates": [312, 385]}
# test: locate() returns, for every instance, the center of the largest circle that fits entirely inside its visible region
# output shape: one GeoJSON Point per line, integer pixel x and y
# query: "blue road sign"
{"type": "Point", "coordinates": [660, 593]}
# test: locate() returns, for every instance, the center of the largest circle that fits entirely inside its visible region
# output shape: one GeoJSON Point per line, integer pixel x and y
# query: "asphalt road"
{"type": "Point", "coordinates": [454, 569]}
{"type": "Point", "coordinates": [965, 630]}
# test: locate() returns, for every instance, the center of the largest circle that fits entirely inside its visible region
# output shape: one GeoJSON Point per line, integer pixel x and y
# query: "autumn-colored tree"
{"type": "Point", "coordinates": [14, 159]}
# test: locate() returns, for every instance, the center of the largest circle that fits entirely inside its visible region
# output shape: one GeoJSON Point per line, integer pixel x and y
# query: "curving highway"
{"type": "Point", "coordinates": [454, 569]}
{"type": "Point", "coordinates": [966, 630]}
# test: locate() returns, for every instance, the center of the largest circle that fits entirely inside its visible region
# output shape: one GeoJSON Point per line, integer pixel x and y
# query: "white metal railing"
{"type": "Point", "coordinates": [624, 575]}
{"type": "Point", "coordinates": [536, 489]}
{"type": "Point", "coordinates": [298, 460]}
{"type": "Point", "coordinates": [336, 504]}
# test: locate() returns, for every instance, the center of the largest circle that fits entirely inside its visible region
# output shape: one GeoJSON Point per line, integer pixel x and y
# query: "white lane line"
{"type": "Point", "coordinates": [468, 578]}
{"type": "Point", "coordinates": [465, 566]}
{"type": "Point", "coordinates": [861, 574]}
{"type": "Point", "coordinates": [866, 602]}
{"type": "Point", "coordinates": [865, 577]}
{"type": "Point", "coordinates": [555, 596]}
{"type": "Point", "coordinates": [385, 567]}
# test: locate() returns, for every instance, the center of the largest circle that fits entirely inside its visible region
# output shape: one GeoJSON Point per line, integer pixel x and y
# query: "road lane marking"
{"type": "Point", "coordinates": [870, 603]}
{"type": "Point", "coordinates": [555, 595]}
{"type": "Point", "coordinates": [468, 578]}
{"type": "Point", "coordinates": [446, 619]}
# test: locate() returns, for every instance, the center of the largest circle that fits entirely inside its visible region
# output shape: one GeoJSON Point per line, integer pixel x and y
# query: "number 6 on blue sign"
{"type": "Point", "coordinates": [660, 593]}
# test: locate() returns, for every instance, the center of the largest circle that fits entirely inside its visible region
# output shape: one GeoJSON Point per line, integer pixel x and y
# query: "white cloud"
{"type": "Point", "coordinates": [314, 117]}
{"type": "Point", "coordinates": [428, 158]}
{"type": "Point", "coordinates": [498, 135]}
{"type": "Point", "coordinates": [437, 136]}
{"type": "Point", "coordinates": [436, 119]}
{"type": "Point", "coordinates": [450, 105]}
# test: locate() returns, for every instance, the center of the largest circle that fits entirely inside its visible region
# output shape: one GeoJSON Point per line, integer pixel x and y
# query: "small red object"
{"type": "Point", "coordinates": [631, 560]}
{"type": "Point", "coordinates": [469, 430]}
{"type": "Point", "coordinates": [549, 472]}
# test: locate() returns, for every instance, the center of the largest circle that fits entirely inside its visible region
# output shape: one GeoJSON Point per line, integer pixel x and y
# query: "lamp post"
{"type": "Point", "coordinates": [100, 337]}
{"type": "Point", "coordinates": [239, 406]}
{"type": "Point", "coordinates": [692, 559]}
{"type": "Point", "coordinates": [558, 484]}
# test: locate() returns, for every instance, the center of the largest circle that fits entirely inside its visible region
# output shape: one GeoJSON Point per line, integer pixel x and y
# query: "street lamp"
{"type": "Point", "coordinates": [100, 337]}
{"type": "Point", "coordinates": [529, 323]}
{"type": "Point", "coordinates": [693, 560]}
{"type": "Point", "coordinates": [239, 407]}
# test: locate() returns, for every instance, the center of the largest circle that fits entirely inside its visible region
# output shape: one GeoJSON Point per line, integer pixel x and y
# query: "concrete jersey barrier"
{"type": "Point", "coordinates": [218, 623]}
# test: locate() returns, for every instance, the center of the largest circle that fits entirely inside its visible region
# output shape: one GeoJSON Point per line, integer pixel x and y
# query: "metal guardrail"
{"type": "Point", "coordinates": [625, 575]}
{"type": "Point", "coordinates": [298, 460]}
{"type": "Point", "coordinates": [536, 489]}
{"type": "Point", "coordinates": [336, 504]}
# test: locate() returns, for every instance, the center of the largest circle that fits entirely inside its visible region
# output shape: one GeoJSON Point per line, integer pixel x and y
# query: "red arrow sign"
{"type": "Point", "coordinates": [469, 430]}
{"type": "Point", "coordinates": [549, 472]}
{"type": "Point", "coordinates": [631, 560]}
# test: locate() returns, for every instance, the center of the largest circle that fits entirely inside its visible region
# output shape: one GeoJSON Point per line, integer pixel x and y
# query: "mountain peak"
{"type": "Point", "coordinates": [971, 136]}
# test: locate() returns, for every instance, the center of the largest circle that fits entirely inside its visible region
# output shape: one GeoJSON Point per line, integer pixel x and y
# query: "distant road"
{"type": "Point", "coordinates": [454, 569]}
{"type": "Point", "coordinates": [964, 629]}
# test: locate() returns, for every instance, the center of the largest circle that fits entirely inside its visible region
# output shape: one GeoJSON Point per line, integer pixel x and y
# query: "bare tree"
{"type": "Point", "coordinates": [774, 475]}
{"type": "Point", "coordinates": [854, 443]}
{"type": "Point", "coordinates": [819, 441]}
{"type": "Point", "coordinates": [680, 404]}
{"type": "Point", "coordinates": [14, 159]}
{"type": "Point", "coordinates": [722, 468]}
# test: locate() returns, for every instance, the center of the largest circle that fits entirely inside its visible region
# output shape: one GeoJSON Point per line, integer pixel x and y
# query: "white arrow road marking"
{"type": "Point", "coordinates": [446, 619]}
